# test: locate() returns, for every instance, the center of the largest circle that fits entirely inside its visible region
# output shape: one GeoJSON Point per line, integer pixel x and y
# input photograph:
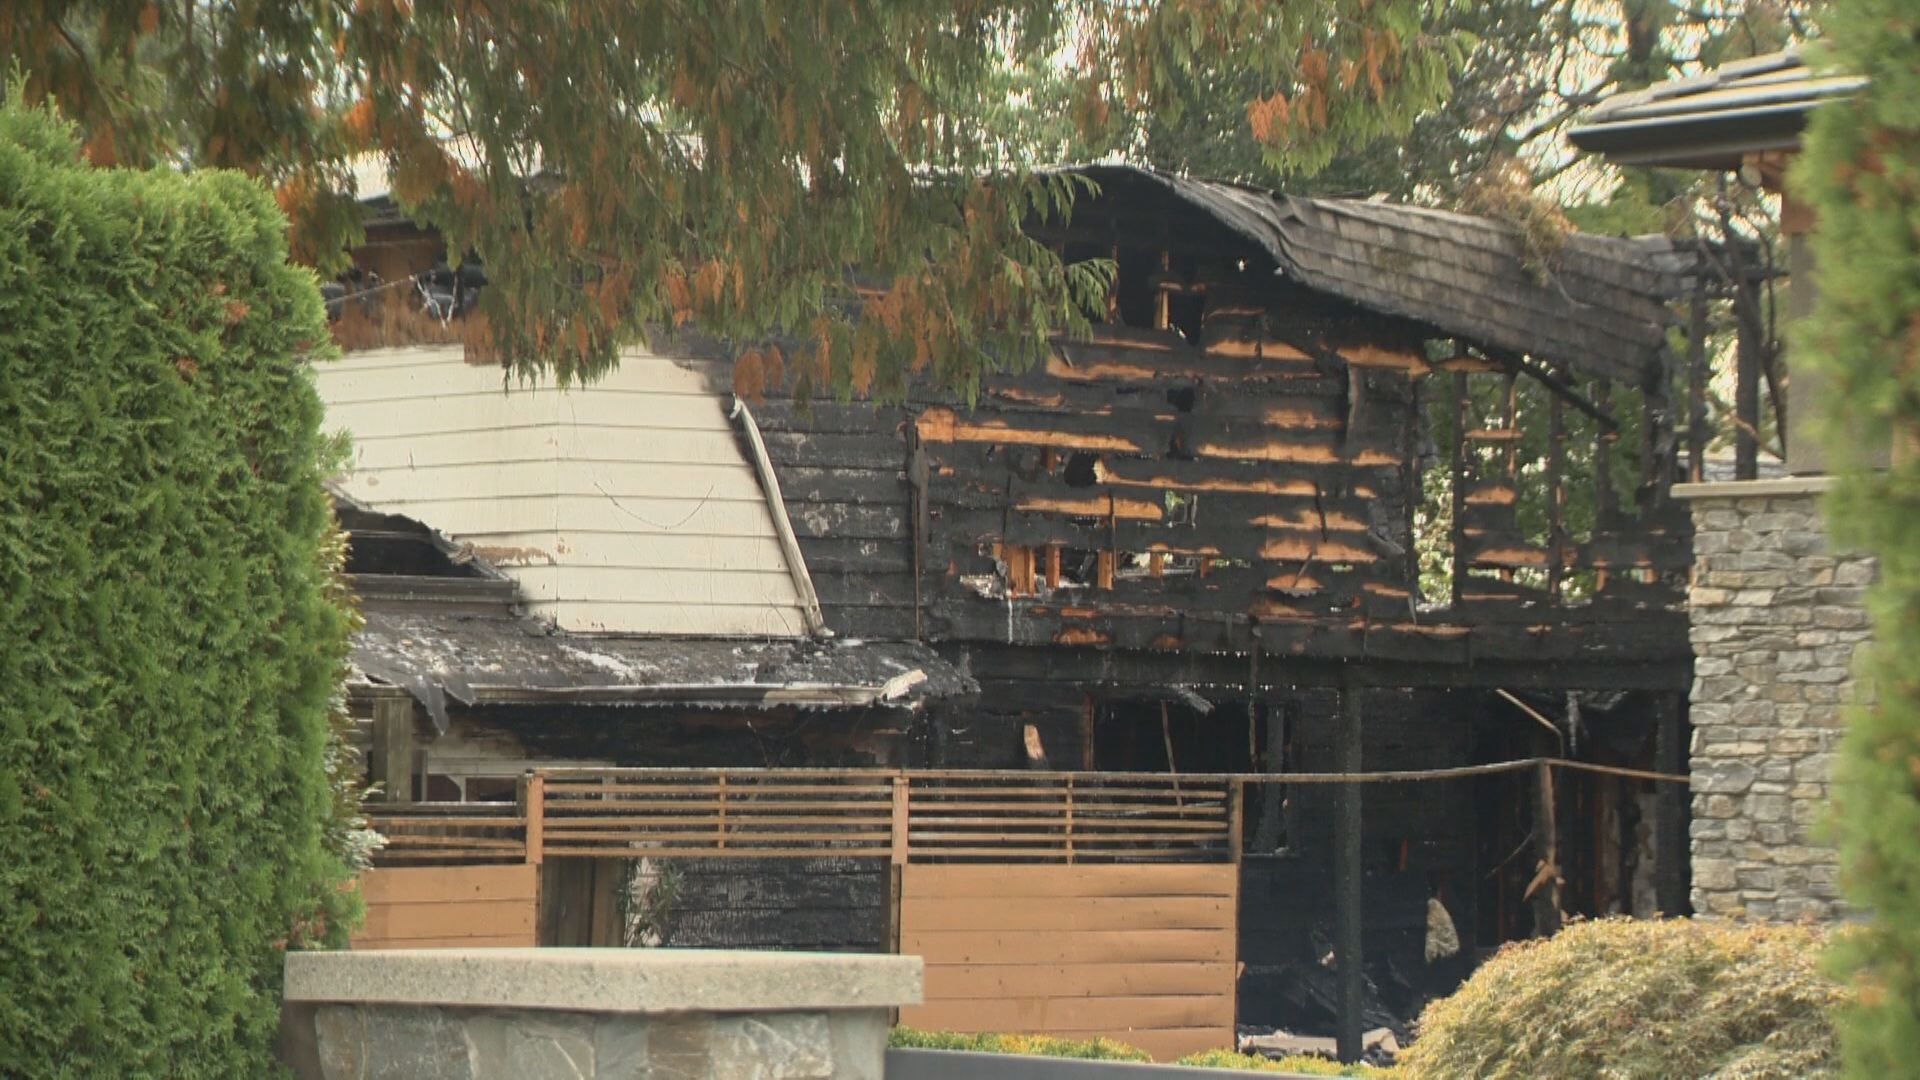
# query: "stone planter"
{"type": "Point", "coordinates": [529, 1014]}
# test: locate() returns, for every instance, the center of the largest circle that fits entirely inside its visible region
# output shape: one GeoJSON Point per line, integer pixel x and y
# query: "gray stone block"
{"type": "Point", "coordinates": [1724, 777]}
{"type": "Point", "coordinates": [773, 1046]}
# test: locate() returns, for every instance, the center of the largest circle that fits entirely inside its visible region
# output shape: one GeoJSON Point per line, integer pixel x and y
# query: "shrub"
{"type": "Point", "coordinates": [1299, 1063]}
{"type": "Point", "coordinates": [1033, 1045]}
{"type": "Point", "coordinates": [170, 648]}
{"type": "Point", "coordinates": [1628, 999]}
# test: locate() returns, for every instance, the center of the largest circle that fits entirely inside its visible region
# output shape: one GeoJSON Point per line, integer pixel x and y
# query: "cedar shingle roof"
{"type": "Point", "coordinates": [1600, 308]}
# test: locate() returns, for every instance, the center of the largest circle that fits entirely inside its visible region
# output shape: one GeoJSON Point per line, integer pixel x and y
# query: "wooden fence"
{"type": "Point", "coordinates": [463, 834]}
{"type": "Point", "coordinates": [448, 907]}
{"type": "Point", "coordinates": [906, 817]}
{"type": "Point", "coordinates": [1142, 954]}
{"type": "Point", "coordinates": [1075, 904]}
{"type": "Point", "coordinates": [1067, 903]}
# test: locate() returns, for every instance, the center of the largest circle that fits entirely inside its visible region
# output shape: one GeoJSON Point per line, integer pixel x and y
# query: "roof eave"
{"type": "Point", "coordinates": [1696, 142]}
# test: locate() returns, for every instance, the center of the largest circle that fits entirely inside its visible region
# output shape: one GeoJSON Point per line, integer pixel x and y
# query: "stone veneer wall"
{"type": "Point", "coordinates": [590, 1014]}
{"type": "Point", "coordinates": [381, 1041]}
{"type": "Point", "coordinates": [1775, 618]}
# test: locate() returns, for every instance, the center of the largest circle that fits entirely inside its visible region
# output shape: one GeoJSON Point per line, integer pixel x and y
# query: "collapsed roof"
{"type": "Point", "coordinates": [1598, 303]}
{"type": "Point", "coordinates": [445, 626]}
{"type": "Point", "coordinates": [477, 661]}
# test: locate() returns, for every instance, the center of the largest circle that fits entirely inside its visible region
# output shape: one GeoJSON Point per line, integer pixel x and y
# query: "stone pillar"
{"type": "Point", "coordinates": [1775, 616]}
{"type": "Point", "coordinates": [479, 1014]}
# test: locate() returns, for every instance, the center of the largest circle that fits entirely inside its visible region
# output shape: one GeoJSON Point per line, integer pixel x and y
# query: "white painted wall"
{"type": "Point", "coordinates": [627, 506]}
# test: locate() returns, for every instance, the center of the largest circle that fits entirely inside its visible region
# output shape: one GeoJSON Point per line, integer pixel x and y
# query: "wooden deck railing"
{"type": "Point", "coordinates": [441, 833]}
{"type": "Point", "coordinates": [900, 816]}
{"type": "Point", "coordinates": [928, 816]}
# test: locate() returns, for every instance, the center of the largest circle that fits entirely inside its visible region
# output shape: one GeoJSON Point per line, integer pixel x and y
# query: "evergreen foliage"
{"type": "Point", "coordinates": [1638, 1000]}
{"type": "Point", "coordinates": [171, 650]}
{"type": "Point", "coordinates": [1860, 173]}
{"type": "Point", "coordinates": [622, 164]}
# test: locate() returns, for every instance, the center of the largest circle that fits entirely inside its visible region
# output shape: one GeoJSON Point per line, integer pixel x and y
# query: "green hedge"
{"type": "Point", "coordinates": [169, 650]}
{"type": "Point", "coordinates": [1639, 999]}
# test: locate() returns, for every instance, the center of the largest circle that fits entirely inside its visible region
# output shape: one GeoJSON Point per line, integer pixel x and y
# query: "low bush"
{"type": "Point", "coordinates": [1299, 1063]}
{"type": "Point", "coordinates": [1031, 1045]}
{"type": "Point", "coordinates": [1628, 999]}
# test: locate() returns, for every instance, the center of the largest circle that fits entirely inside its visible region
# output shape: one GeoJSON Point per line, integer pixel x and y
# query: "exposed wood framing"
{"type": "Point", "coordinates": [391, 758]}
{"type": "Point", "coordinates": [1564, 390]}
{"type": "Point", "coordinates": [1459, 468]}
{"type": "Point", "coordinates": [1348, 898]}
{"type": "Point", "coordinates": [1157, 490]}
{"type": "Point", "coordinates": [1670, 835]}
{"type": "Point", "coordinates": [1697, 385]}
{"type": "Point", "coordinates": [1544, 889]}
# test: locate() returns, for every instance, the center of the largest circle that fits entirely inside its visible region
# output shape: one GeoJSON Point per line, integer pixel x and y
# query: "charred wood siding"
{"type": "Point", "coordinates": [1144, 491]}
{"type": "Point", "coordinates": [1254, 457]}
{"type": "Point", "coordinates": [823, 904]}
{"type": "Point", "coordinates": [843, 473]}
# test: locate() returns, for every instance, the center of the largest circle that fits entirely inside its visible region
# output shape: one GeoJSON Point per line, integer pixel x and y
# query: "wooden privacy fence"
{"type": "Point", "coordinates": [1042, 902]}
{"type": "Point", "coordinates": [1074, 904]}
{"type": "Point", "coordinates": [450, 833]}
{"type": "Point", "coordinates": [448, 907]}
{"type": "Point", "coordinates": [906, 817]}
{"type": "Point", "coordinates": [1143, 954]}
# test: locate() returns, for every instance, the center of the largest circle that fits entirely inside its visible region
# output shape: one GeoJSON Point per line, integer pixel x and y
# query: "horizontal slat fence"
{"type": "Point", "coordinates": [1065, 817]}
{"type": "Point", "coordinates": [449, 833]}
{"type": "Point", "coordinates": [717, 814]}
{"type": "Point", "coordinates": [1144, 954]}
{"type": "Point", "coordinates": [448, 907]}
{"type": "Point", "coordinates": [903, 816]}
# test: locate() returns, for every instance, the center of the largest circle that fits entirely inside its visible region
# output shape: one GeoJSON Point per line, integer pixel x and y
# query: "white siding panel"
{"type": "Point", "coordinates": [692, 620]}
{"type": "Point", "coordinates": [638, 370]}
{"type": "Point", "coordinates": [527, 441]}
{"type": "Point", "coordinates": [733, 588]}
{"type": "Point", "coordinates": [714, 449]}
{"type": "Point", "coordinates": [616, 549]}
{"type": "Point", "coordinates": [640, 518]}
{"type": "Point", "coordinates": [622, 480]}
{"type": "Point", "coordinates": [624, 506]}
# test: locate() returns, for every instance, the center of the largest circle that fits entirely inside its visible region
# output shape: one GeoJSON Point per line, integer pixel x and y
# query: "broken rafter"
{"type": "Point", "coordinates": [1564, 390]}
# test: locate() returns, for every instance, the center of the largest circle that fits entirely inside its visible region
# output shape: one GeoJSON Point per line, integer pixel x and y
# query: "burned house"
{"type": "Point", "coordinates": [1334, 486]}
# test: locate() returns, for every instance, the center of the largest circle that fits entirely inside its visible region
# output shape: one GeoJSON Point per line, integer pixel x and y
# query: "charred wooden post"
{"type": "Point", "coordinates": [1671, 801]}
{"type": "Point", "coordinates": [1556, 497]}
{"type": "Point", "coordinates": [917, 479]}
{"type": "Point", "coordinates": [1697, 385]}
{"type": "Point", "coordinates": [1544, 890]}
{"type": "Point", "coordinates": [391, 760]}
{"type": "Point", "coordinates": [1347, 871]}
{"type": "Point", "coordinates": [897, 860]}
{"type": "Point", "coordinates": [1606, 503]}
{"type": "Point", "coordinates": [533, 810]}
{"type": "Point", "coordinates": [1459, 466]}
{"type": "Point", "coordinates": [1746, 372]}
